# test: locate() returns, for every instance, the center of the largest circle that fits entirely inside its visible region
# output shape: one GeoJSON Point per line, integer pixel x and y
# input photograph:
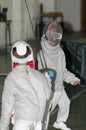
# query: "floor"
{"type": "Point", "coordinates": [77, 95]}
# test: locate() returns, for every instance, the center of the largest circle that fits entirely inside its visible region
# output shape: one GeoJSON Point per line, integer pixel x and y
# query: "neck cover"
{"type": "Point", "coordinates": [49, 49]}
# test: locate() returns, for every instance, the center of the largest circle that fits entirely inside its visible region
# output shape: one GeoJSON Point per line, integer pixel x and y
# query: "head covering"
{"type": "Point", "coordinates": [55, 27]}
{"type": "Point", "coordinates": [21, 53]}
{"type": "Point", "coordinates": [53, 33]}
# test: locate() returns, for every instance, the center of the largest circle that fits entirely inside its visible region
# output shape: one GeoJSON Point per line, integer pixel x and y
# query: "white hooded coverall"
{"type": "Point", "coordinates": [25, 91]}
{"type": "Point", "coordinates": [55, 59]}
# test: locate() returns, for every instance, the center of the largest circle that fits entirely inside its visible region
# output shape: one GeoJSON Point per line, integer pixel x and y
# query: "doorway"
{"type": "Point", "coordinates": [83, 15]}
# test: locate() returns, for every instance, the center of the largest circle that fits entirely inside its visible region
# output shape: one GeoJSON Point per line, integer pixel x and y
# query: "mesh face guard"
{"type": "Point", "coordinates": [54, 33]}
{"type": "Point", "coordinates": [53, 37]}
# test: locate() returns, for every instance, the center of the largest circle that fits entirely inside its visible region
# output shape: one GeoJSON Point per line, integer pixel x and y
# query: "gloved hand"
{"type": "Point", "coordinates": [76, 81]}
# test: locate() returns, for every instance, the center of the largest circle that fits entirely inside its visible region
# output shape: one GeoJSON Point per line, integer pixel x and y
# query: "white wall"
{"type": "Point", "coordinates": [21, 24]}
{"type": "Point", "coordinates": [29, 20]}
{"type": "Point", "coordinates": [48, 5]}
{"type": "Point", "coordinates": [16, 19]}
{"type": "Point", "coordinates": [71, 12]}
{"type": "Point", "coordinates": [4, 3]}
{"type": "Point", "coordinates": [69, 8]}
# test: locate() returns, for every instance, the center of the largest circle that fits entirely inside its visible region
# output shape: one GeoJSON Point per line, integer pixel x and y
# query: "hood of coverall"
{"type": "Point", "coordinates": [21, 53]}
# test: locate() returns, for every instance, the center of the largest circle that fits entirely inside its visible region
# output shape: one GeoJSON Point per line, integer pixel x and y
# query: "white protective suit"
{"type": "Point", "coordinates": [55, 59]}
{"type": "Point", "coordinates": [26, 92]}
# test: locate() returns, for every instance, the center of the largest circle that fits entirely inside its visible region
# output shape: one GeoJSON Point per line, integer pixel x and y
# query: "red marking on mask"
{"type": "Point", "coordinates": [31, 64]}
{"type": "Point", "coordinates": [14, 64]}
{"type": "Point", "coordinates": [52, 26]}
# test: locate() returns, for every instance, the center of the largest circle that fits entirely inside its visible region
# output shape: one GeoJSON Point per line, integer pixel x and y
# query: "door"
{"type": "Point", "coordinates": [83, 15]}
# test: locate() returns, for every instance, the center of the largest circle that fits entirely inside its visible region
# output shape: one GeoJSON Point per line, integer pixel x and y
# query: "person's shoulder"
{"type": "Point", "coordinates": [9, 74]}
{"type": "Point", "coordinates": [8, 78]}
{"type": "Point", "coordinates": [38, 75]}
{"type": "Point", "coordinates": [13, 74]}
{"type": "Point", "coordinates": [37, 72]}
{"type": "Point", "coordinates": [61, 50]}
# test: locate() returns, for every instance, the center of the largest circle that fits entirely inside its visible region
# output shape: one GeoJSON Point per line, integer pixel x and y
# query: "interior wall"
{"type": "Point", "coordinates": [47, 5]}
{"type": "Point", "coordinates": [24, 22]}
{"type": "Point", "coordinates": [3, 4]}
{"type": "Point", "coordinates": [69, 8]}
{"type": "Point", "coordinates": [21, 27]}
{"type": "Point", "coordinates": [16, 20]}
{"type": "Point", "coordinates": [71, 13]}
{"type": "Point", "coordinates": [30, 18]}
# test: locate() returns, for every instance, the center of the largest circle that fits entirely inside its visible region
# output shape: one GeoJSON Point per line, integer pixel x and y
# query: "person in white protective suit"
{"type": "Point", "coordinates": [52, 56]}
{"type": "Point", "coordinates": [25, 91]}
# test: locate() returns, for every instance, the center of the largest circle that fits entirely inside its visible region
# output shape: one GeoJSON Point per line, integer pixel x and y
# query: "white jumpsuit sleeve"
{"type": "Point", "coordinates": [7, 105]}
{"type": "Point", "coordinates": [47, 88]}
{"type": "Point", "coordinates": [67, 75]}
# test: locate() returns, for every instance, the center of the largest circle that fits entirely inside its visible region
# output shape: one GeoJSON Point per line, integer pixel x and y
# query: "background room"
{"type": "Point", "coordinates": [25, 19]}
